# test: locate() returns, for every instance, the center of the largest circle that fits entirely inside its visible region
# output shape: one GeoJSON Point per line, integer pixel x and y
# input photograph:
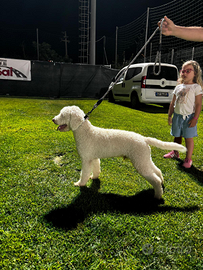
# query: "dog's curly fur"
{"type": "Point", "coordinates": [94, 143]}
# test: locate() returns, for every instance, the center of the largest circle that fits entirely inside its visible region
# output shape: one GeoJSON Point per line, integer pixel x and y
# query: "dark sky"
{"type": "Point", "coordinates": [19, 20]}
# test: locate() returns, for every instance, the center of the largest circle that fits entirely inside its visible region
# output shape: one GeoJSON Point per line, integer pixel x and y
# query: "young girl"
{"type": "Point", "coordinates": [186, 106]}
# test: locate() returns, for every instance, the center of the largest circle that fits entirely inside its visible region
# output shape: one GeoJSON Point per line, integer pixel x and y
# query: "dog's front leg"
{"type": "Point", "coordinates": [95, 168]}
{"type": "Point", "coordinates": [85, 173]}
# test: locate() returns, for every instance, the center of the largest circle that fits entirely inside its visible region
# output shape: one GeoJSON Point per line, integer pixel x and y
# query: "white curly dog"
{"type": "Point", "coordinates": [94, 143]}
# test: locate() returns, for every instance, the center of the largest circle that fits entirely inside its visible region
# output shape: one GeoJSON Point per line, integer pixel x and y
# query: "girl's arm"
{"type": "Point", "coordinates": [198, 108]}
{"type": "Point", "coordinates": [171, 110]}
{"type": "Point", "coordinates": [192, 33]}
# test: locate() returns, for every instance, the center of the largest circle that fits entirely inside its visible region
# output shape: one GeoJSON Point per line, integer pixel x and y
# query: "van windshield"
{"type": "Point", "coordinates": [169, 73]}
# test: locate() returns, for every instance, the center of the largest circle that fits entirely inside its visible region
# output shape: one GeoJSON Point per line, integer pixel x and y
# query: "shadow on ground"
{"type": "Point", "coordinates": [150, 108]}
{"type": "Point", "coordinates": [197, 173]}
{"type": "Point", "coordinates": [91, 201]}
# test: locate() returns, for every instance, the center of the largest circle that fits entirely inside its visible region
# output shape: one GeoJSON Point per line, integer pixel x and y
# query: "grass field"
{"type": "Point", "coordinates": [47, 223]}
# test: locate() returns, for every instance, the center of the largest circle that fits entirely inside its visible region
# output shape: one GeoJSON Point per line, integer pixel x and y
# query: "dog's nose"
{"type": "Point", "coordinates": [53, 120]}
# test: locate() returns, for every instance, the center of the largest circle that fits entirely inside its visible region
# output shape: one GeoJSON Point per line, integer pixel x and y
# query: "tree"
{"type": "Point", "coordinates": [46, 53]}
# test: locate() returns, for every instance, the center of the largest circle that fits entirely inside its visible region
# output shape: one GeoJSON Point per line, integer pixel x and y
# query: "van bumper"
{"type": "Point", "coordinates": [156, 95]}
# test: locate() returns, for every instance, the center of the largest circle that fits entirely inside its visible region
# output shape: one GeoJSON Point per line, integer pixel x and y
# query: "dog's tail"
{"type": "Point", "coordinates": [165, 145]}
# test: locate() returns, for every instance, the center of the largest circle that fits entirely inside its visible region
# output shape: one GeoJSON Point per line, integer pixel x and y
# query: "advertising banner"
{"type": "Point", "coordinates": [14, 69]}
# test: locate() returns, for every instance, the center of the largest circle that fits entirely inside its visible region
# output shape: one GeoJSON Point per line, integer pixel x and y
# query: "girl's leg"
{"type": "Point", "coordinates": [177, 140]}
{"type": "Point", "coordinates": [190, 147]}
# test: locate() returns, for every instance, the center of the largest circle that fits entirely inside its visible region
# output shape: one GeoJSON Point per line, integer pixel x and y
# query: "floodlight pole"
{"type": "Point", "coordinates": [93, 32]}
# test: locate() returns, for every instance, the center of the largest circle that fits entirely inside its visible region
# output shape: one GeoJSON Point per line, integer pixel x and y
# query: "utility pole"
{"type": "Point", "coordinates": [37, 44]}
{"type": "Point", "coordinates": [66, 41]}
{"type": "Point", "coordinates": [93, 32]}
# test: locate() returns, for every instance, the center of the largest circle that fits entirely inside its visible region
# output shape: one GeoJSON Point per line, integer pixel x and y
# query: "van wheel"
{"type": "Point", "coordinates": [135, 103]}
{"type": "Point", "coordinates": [110, 96]}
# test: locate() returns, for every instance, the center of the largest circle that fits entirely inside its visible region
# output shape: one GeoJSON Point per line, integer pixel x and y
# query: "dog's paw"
{"type": "Point", "coordinates": [94, 176]}
{"type": "Point", "coordinates": [159, 201]}
{"type": "Point", "coordinates": [78, 184]}
{"type": "Point", "coordinates": [158, 196]}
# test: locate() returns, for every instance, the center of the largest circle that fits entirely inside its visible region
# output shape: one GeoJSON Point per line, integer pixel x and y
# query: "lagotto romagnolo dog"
{"type": "Point", "coordinates": [94, 143]}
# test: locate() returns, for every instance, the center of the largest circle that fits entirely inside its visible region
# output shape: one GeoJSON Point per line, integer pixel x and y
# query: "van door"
{"type": "Point", "coordinates": [118, 87]}
{"type": "Point", "coordinates": [123, 89]}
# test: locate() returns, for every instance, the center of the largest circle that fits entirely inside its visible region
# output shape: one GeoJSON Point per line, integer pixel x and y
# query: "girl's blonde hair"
{"type": "Point", "coordinates": [197, 72]}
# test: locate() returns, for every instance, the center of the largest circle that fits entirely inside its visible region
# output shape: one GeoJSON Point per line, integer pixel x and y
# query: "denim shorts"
{"type": "Point", "coordinates": [180, 127]}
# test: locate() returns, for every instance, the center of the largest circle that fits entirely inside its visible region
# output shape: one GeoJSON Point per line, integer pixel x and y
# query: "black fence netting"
{"type": "Point", "coordinates": [61, 80]}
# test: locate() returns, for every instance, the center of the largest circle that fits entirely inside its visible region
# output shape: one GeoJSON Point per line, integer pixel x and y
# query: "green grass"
{"type": "Point", "coordinates": [47, 223]}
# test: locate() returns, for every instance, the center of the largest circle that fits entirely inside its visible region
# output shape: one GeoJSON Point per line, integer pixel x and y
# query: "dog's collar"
{"type": "Point", "coordinates": [79, 125]}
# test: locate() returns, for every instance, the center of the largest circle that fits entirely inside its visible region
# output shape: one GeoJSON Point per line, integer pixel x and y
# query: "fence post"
{"type": "Point", "coordinates": [193, 52]}
{"type": "Point", "coordinates": [116, 47]}
{"type": "Point", "coordinates": [150, 56]}
{"type": "Point", "coordinates": [146, 32]}
{"type": "Point", "coordinates": [172, 55]}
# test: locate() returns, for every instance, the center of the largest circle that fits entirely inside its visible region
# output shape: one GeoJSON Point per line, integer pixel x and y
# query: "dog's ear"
{"type": "Point", "coordinates": [77, 117]}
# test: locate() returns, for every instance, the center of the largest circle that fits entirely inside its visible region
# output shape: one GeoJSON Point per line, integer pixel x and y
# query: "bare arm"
{"type": "Point", "coordinates": [193, 33]}
{"type": "Point", "coordinates": [171, 110]}
{"type": "Point", "coordinates": [198, 108]}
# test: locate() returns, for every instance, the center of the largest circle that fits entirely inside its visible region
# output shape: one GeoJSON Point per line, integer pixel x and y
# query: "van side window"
{"type": "Point", "coordinates": [169, 73]}
{"type": "Point", "coordinates": [132, 72]}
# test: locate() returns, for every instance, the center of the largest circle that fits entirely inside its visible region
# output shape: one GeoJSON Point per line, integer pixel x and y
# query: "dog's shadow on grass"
{"type": "Point", "coordinates": [90, 201]}
{"type": "Point", "coordinates": [197, 173]}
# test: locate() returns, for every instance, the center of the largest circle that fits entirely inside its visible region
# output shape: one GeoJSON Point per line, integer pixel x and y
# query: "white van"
{"type": "Point", "coordinates": [140, 84]}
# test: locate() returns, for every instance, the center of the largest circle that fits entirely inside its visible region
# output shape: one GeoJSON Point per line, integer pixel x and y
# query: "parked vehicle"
{"type": "Point", "coordinates": [140, 84]}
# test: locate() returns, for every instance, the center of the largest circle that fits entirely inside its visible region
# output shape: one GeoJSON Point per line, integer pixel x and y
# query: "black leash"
{"type": "Point", "coordinates": [96, 105]}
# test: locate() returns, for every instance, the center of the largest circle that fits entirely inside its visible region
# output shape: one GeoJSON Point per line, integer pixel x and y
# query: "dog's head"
{"type": "Point", "coordinates": [69, 118]}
